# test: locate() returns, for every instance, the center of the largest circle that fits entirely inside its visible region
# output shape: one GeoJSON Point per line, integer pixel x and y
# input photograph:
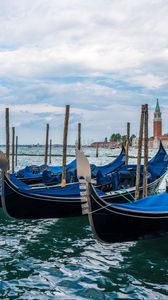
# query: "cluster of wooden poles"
{"type": "Point", "coordinates": [48, 145]}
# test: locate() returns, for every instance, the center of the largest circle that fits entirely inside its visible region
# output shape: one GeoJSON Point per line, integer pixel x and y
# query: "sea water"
{"type": "Point", "coordinates": [60, 259]}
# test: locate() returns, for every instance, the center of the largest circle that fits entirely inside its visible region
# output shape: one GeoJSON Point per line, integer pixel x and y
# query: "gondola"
{"type": "Point", "coordinates": [25, 202]}
{"type": "Point", "coordinates": [122, 222]}
{"type": "Point", "coordinates": [51, 175]}
{"type": "Point", "coordinates": [22, 201]}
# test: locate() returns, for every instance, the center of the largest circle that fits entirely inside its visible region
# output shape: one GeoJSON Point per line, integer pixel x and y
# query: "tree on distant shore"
{"type": "Point", "coordinates": [117, 137]}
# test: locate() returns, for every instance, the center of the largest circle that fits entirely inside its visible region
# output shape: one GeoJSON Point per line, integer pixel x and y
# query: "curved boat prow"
{"type": "Point", "coordinates": [83, 167]}
{"type": "Point", "coordinates": [84, 177]}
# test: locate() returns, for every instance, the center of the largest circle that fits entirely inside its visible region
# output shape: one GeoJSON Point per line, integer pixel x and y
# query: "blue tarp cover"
{"type": "Point", "coordinates": [31, 171]}
{"type": "Point", "coordinates": [156, 203]}
{"type": "Point", "coordinates": [36, 171]}
{"type": "Point", "coordinates": [69, 190]}
{"type": "Point", "coordinates": [58, 169]}
{"type": "Point", "coordinates": [50, 176]}
{"type": "Point", "coordinates": [125, 177]}
{"type": "Point", "coordinates": [115, 164]}
{"type": "Point", "coordinates": [159, 163]}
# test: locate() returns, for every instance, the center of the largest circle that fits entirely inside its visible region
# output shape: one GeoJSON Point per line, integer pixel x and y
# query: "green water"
{"type": "Point", "coordinates": [60, 259]}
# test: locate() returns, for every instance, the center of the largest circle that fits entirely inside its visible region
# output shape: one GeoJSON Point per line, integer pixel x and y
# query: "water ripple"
{"type": "Point", "coordinates": [60, 259]}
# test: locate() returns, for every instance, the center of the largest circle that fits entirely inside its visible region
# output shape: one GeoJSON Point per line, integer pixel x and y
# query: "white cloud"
{"type": "Point", "coordinates": [101, 58]}
{"type": "Point", "coordinates": [149, 81]}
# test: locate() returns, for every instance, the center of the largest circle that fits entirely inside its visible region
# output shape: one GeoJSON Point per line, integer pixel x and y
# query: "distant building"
{"type": "Point", "coordinates": [157, 122]}
{"type": "Point", "coordinates": [106, 144]}
{"type": "Point", "coordinates": [157, 130]}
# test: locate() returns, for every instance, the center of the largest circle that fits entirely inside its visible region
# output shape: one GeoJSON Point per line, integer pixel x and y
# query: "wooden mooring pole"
{"type": "Point", "coordinates": [139, 153]}
{"type": "Point", "coordinates": [13, 149]}
{"type": "Point", "coordinates": [79, 136]}
{"type": "Point", "coordinates": [46, 145]}
{"type": "Point", "coordinates": [145, 171]}
{"type": "Point", "coordinates": [50, 151]}
{"type": "Point", "coordinates": [97, 149]}
{"type": "Point", "coordinates": [7, 135]}
{"type": "Point", "coordinates": [63, 182]}
{"type": "Point", "coordinates": [16, 151]}
{"type": "Point", "coordinates": [127, 143]}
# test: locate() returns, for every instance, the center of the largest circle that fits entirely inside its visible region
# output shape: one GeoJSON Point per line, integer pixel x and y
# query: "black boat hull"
{"type": "Point", "coordinates": [20, 205]}
{"type": "Point", "coordinates": [111, 224]}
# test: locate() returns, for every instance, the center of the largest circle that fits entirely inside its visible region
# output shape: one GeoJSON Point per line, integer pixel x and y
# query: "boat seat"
{"type": "Point", "coordinates": [126, 179]}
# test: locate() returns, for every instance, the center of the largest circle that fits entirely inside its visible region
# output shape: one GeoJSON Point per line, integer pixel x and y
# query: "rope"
{"type": "Point", "coordinates": [104, 207]}
{"type": "Point", "coordinates": [123, 196]}
{"type": "Point", "coordinates": [98, 209]}
{"type": "Point", "coordinates": [130, 194]}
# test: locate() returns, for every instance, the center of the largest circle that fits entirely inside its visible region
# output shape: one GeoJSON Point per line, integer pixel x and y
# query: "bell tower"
{"type": "Point", "coordinates": [157, 122]}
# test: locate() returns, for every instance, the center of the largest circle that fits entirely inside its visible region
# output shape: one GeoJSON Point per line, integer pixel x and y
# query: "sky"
{"type": "Point", "coordinates": [104, 58]}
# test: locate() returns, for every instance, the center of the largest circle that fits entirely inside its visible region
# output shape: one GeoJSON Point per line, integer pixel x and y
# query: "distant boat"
{"type": "Point", "coordinates": [114, 222]}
